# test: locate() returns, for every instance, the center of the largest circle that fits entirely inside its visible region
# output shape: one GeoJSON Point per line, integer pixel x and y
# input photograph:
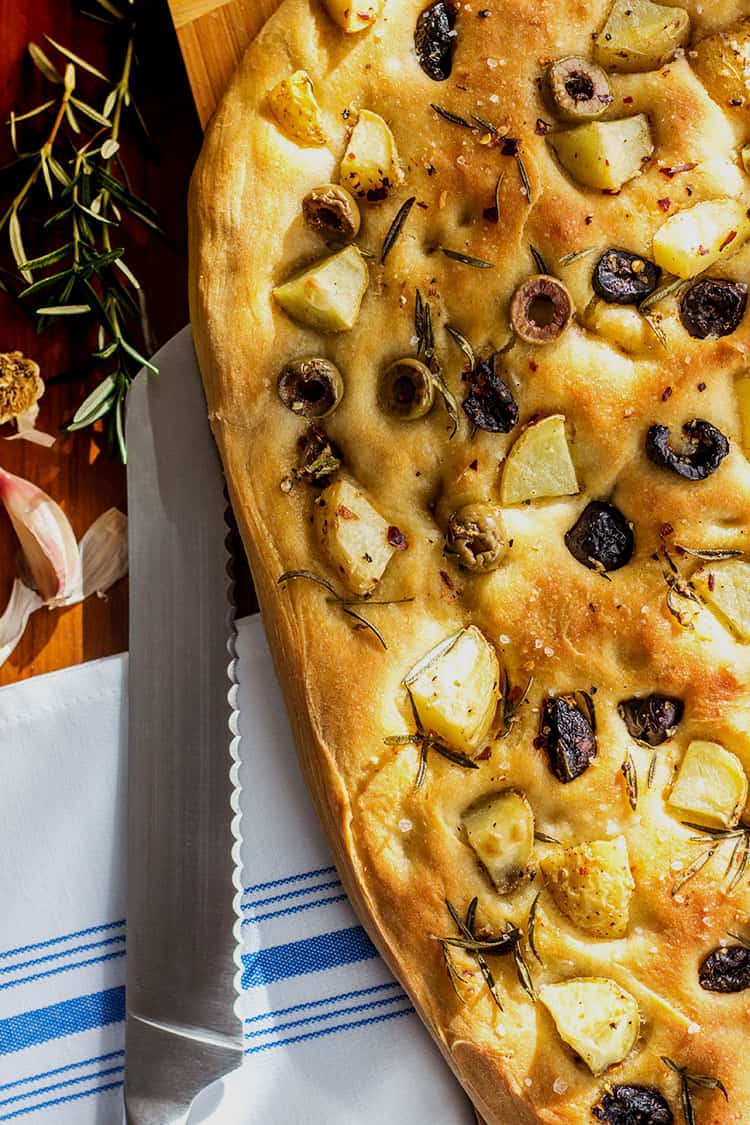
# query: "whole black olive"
{"type": "Point", "coordinates": [633, 1105]}
{"type": "Point", "coordinates": [707, 448]}
{"type": "Point", "coordinates": [726, 970]}
{"type": "Point", "coordinates": [567, 736]}
{"type": "Point", "coordinates": [713, 307]}
{"type": "Point", "coordinates": [651, 719]}
{"type": "Point", "coordinates": [541, 309]}
{"type": "Point", "coordinates": [490, 404]}
{"type": "Point", "coordinates": [434, 40]}
{"type": "Point", "coordinates": [601, 538]}
{"type": "Point", "coordinates": [622, 278]}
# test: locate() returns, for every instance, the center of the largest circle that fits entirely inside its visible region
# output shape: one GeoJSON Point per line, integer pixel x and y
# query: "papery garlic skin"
{"type": "Point", "coordinates": [27, 431]}
{"type": "Point", "coordinates": [23, 602]}
{"type": "Point", "coordinates": [104, 552]}
{"type": "Point", "coordinates": [46, 537]}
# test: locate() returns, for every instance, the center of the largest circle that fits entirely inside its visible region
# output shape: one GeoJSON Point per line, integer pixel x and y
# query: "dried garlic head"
{"type": "Point", "coordinates": [20, 385]}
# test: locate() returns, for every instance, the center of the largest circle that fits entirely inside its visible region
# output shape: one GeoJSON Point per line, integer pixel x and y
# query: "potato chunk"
{"type": "Point", "coordinates": [725, 588]}
{"type": "Point", "coordinates": [329, 294]}
{"type": "Point", "coordinates": [692, 240]}
{"type": "Point", "coordinates": [370, 164]}
{"type": "Point", "coordinates": [605, 154]}
{"type": "Point", "coordinates": [354, 534]}
{"type": "Point", "coordinates": [500, 829]}
{"type": "Point", "coordinates": [742, 391]}
{"type": "Point", "coordinates": [595, 1017]}
{"type": "Point", "coordinates": [722, 62]}
{"type": "Point", "coordinates": [539, 464]}
{"type": "Point", "coordinates": [592, 885]}
{"type": "Point", "coordinates": [456, 689]}
{"type": "Point", "coordinates": [296, 109]}
{"type": "Point", "coordinates": [640, 35]}
{"type": "Point", "coordinates": [710, 787]}
{"type": "Point", "coordinates": [622, 326]}
{"type": "Point", "coordinates": [353, 17]}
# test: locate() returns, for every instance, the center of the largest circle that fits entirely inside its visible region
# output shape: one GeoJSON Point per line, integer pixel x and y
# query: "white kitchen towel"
{"type": "Point", "coordinates": [329, 1036]}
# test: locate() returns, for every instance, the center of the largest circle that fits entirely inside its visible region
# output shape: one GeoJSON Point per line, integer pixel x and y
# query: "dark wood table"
{"type": "Point", "coordinates": [77, 471]}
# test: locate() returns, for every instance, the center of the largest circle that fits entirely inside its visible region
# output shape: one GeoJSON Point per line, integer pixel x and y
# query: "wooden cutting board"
{"type": "Point", "coordinates": [213, 35]}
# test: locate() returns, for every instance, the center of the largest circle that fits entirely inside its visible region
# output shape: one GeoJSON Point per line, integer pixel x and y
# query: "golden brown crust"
{"type": "Point", "coordinates": [398, 850]}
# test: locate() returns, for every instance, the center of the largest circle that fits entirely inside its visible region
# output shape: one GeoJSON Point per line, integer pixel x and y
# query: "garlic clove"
{"type": "Point", "coordinates": [22, 603]}
{"type": "Point", "coordinates": [104, 552]}
{"type": "Point", "coordinates": [46, 537]}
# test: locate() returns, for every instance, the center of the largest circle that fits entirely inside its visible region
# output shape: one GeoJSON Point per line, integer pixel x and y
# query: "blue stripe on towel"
{"type": "Point", "coordinates": [310, 955]}
{"type": "Point", "coordinates": [320, 1017]}
{"type": "Point", "coordinates": [292, 894]}
{"type": "Point", "coordinates": [63, 937]}
{"type": "Point", "coordinates": [289, 879]}
{"type": "Point", "coordinates": [59, 1101]}
{"type": "Point", "coordinates": [356, 993]}
{"type": "Point", "coordinates": [66, 1018]}
{"type": "Point", "coordinates": [292, 909]}
{"type": "Point", "coordinates": [63, 969]}
{"type": "Point", "coordinates": [322, 1031]}
{"type": "Point", "coordinates": [63, 1069]}
{"type": "Point", "coordinates": [61, 1085]}
{"type": "Point", "coordinates": [119, 938]}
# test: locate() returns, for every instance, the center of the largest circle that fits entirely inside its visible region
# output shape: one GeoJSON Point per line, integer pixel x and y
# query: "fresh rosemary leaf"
{"type": "Point", "coordinates": [454, 756]}
{"type": "Point", "coordinates": [45, 65]}
{"type": "Point", "coordinates": [687, 1101]}
{"type": "Point", "coordinates": [467, 259]}
{"type": "Point", "coordinates": [544, 838]}
{"type": "Point", "coordinates": [16, 244]}
{"type": "Point", "coordinates": [651, 770]}
{"type": "Point", "coordinates": [531, 928]}
{"type": "Point", "coordinates": [471, 914]}
{"type": "Point", "coordinates": [710, 554]}
{"type": "Point", "coordinates": [94, 405]}
{"type": "Point", "coordinates": [492, 129]}
{"type": "Point", "coordinates": [396, 227]}
{"type": "Point", "coordinates": [63, 310]}
{"type": "Point", "coordinates": [49, 259]}
{"type": "Point", "coordinates": [539, 262]}
{"type": "Point", "coordinates": [364, 622]}
{"type": "Point", "coordinates": [666, 289]}
{"type": "Point", "coordinates": [526, 182]}
{"type": "Point", "coordinates": [742, 865]}
{"type": "Point", "coordinates": [422, 768]}
{"type": "Point", "coordinates": [523, 971]}
{"type": "Point", "coordinates": [463, 344]}
{"type": "Point", "coordinates": [76, 59]}
{"type": "Point", "coordinates": [575, 256]}
{"type": "Point", "coordinates": [693, 869]}
{"type": "Point", "coordinates": [630, 774]}
{"type": "Point", "coordinates": [344, 604]}
{"type": "Point", "coordinates": [136, 355]}
{"type": "Point", "coordinates": [431, 658]}
{"type": "Point", "coordinates": [448, 115]}
{"type": "Point", "coordinates": [449, 399]}
{"type": "Point", "coordinates": [90, 112]}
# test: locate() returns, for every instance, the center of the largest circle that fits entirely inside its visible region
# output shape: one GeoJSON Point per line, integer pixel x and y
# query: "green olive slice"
{"type": "Point", "coordinates": [406, 390]}
{"type": "Point", "coordinates": [476, 537]}
{"type": "Point", "coordinates": [578, 89]}
{"type": "Point", "coordinates": [311, 386]}
{"type": "Point", "coordinates": [331, 211]}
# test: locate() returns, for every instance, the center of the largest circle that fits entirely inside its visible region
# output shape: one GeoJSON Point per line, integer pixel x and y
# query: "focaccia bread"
{"type": "Point", "coordinates": [469, 297]}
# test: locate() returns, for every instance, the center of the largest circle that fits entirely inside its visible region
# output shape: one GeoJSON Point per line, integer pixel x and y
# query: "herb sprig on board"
{"type": "Point", "coordinates": [63, 213]}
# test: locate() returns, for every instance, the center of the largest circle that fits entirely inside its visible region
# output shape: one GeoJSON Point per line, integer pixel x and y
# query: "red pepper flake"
{"type": "Point", "coordinates": [666, 393]}
{"type": "Point", "coordinates": [484, 755]}
{"type": "Point", "coordinates": [711, 581]}
{"type": "Point", "coordinates": [666, 530]}
{"type": "Point", "coordinates": [728, 240]}
{"type": "Point", "coordinates": [397, 539]}
{"type": "Point", "coordinates": [542, 127]}
{"type": "Point", "coordinates": [628, 100]}
{"type": "Point", "coordinates": [664, 204]}
{"type": "Point", "coordinates": [346, 513]}
{"type": "Point", "coordinates": [447, 579]}
{"type": "Point", "coordinates": [510, 146]}
{"type": "Point", "coordinates": [675, 169]}
{"type": "Point", "coordinates": [533, 365]}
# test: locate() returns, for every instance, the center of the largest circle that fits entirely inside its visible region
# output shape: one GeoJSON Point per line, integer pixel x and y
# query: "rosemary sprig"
{"type": "Point", "coordinates": [466, 929]}
{"type": "Point", "coordinates": [424, 332]}
{"type": "Point", "coordinates": [710, 554]}
{"type": "Point", "coordinates": [666, 289]}
{"type": "Point", "coordinates": [678, 590]}
{"type": "Point", "coordinates": [687, 1079]}
{"type": "Point", "coordinates": [426, 742]}
{"type": "Point", "coordinates": [71, 196]}
{"type": "Point", "coordinates": [345, 604]}
{"type": "Point", "coordinates": [449, 115]}
{"type": "Point", "coordinates": [467, 259]}
{"type": "Point", "coordinates": [396, 227]}
{"type": "Point", "coordinates": [738, 859]}
{"type": "Point", "coordinates": [507, 942]}
{"type": "Point", "coordinates": [464, 344]}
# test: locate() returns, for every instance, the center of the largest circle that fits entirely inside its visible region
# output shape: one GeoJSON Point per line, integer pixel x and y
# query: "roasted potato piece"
{"type": "Point", "coordinates": [296, 109]}
{"type": "Point", "coordinates": [742, 391]}
{"type": "Point", "coordinates": [692, 240]}
{"type": "Point", "coordinates": [725, 588]}
{"type": "Point", "coordinates": [500, 829]}
{"type": "Point", "coordinates": [640, 35]}
{"type": "Point", "coordinates": [369, 167]}
{"type": "Point", "coordinates": [329, 294]}
{"type": "Point", "coordinates": [622, 326]}
{"type": "Point", "coordinates": [353, 17]}
{"type": "Point", "coordinates": [456, 689]}
{"type": "Point", "coordinates": [722, 62]}
{"type": "Point", "coordinates": [354, 535]}
{"type": "Point", "coordinates": [539, 465]}
{"type": "Point", "coordinates": [592, 885]}
{"type": "Point", "coordinates": [595, 1017]}
{"type": "Point", "coordinates": [710, 787]}
{"type": "Point", "coordinates": [605, 154]}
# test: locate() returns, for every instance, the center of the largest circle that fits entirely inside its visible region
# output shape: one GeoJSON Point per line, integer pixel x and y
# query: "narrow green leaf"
{"type": "Point", "coordinates": [71, 118]}
{"type": "Point", "coordinates": [45, 64]}
{"type": "Point", "coordinates": [16, 244]}
{"type": "Point", "coordinates": [90, 112]}
{"type": "Point", "coordinates": [93, 401]}
{"type": "Point", "coordinates": [109, 148]}
{"type": "Point", "coordinates": [109, 104]}
{"type": "Point", "coordinates": [76, 59]}
{"type": "Point", "coordinates": [144, 362]}
{"type": "Point", "coordinates": [64, 310]}
{"type": "Point", "coordinates": [49, 259]}
{"type": "Point", "coordinates": [44, 283]}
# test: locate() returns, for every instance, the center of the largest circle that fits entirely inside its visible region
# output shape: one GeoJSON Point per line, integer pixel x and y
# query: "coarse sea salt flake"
{"type": "Point", "coordinates": [693, 1028]}
{"type": "Point", "coordinates": [405, 825]}
{"type": "Point", "coordinates": [559, 1085]}
{"type": "Point", "coordinates": [504, 639]}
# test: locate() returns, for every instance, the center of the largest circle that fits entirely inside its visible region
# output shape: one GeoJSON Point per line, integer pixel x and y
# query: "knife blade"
{"type": "Point", "coordinates": [182, 1032]}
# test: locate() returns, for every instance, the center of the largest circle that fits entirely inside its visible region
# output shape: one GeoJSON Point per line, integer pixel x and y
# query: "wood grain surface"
{"type": "Point", "coordinates": [77, 471]}
{"type": "Point", "coordinates": [213, 35]}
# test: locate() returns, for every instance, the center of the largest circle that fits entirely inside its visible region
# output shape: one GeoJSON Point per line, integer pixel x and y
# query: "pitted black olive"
{"type": "Point", "coordinates": [633, 1105]}
{"type": "Point", "coordinates": [434, 40]}
{"type": "Point", "coordinates": [713, 307]}
{"type": "Point", "coordinates": [726, 970]}
{"type": "Point", "coordinates": [601, 538]}
{"type": "Point", "coordinates": [578, 89]}
{"type": "Point", "coordinates": [651, 719]}
{"type": "Point", "coordinates": [707, 448]}
{"type": "Point", "coordinates": [567, 736]}
{"type": "Point", "coordinates": [490, 404]}
{"type": "Point", "coordinates": [622, 278]}
{"type": "Point", "coordinates": [541, 309]}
